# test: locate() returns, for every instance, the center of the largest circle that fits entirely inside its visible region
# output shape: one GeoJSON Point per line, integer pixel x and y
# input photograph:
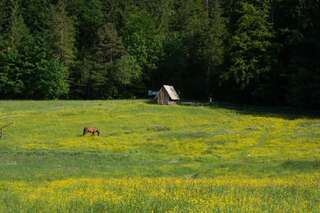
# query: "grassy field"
{"type": "Point", "coordinates": [152, 158]}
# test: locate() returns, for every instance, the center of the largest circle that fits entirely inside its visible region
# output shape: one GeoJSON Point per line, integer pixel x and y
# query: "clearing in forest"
{"type": "Point", "coordinates": [157, 158]}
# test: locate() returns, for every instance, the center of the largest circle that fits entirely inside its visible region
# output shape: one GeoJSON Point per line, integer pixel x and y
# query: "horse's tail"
{"type": "Point", "coordinates": [84, 131]}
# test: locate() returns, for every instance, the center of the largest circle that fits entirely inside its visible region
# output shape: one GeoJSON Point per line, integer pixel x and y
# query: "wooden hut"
{"type": "Point", "coordinates": [167, 95]}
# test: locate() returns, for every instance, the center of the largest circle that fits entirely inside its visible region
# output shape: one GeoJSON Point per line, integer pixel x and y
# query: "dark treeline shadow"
{"type": "Point", "coordinates": [289, 113]}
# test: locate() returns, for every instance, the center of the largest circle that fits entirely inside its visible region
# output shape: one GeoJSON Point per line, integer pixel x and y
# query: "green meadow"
{"type": "Point", "coordinates": [152, 158]}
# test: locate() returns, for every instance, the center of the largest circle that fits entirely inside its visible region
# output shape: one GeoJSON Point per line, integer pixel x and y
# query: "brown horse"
{"type": "Point", "coordinates": [91, 130]}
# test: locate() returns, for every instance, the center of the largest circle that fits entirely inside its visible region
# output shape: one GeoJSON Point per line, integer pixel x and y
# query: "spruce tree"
{"type": "Point", "coordinates": [62, 32]}
{"type": "Point", "coordinates": [108, 67]}
{"type": "Point", "coordinates": [118, 68]}
{"type": "Point", "coordinates": [13, 37]}
{"type": "Point", "coordinates": [215, 45]}
{"type": "Point", "coordinates": [250, 45]}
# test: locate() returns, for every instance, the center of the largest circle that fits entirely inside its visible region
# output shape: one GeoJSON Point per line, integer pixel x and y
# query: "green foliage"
{"type": "Point", "coordinates": [13, 34]}
{"type": "Point", "coordinates": [110, 68]}
{"type": "Point", "coordinates": [109, 47]}
{"type": "Point", "coordinates": [253, 51]}
{"type": "Point", "coordinates": [50, 81]}
{"type": "Point", "coordinates": [184, 59]}
{"type": "Point", "coordinates": [214, 51]}
{"type": "Point", "coordinates": [118, 68]}
{"type": "Point", "coordinates": [300, 48]}
{"type": "Point", "coordinates": [62, 32]}
{"type": "Point", "coordinates": [36, 14]}
{"type": "Point", "coordinates": [11, 84]}
{"type": "Point", "coordinates": [27, 71]}
{"type": "Point", "coordinates": [127, 70]}
{"type": "Point", "coordinates": [43, 77]}
{"type": "Point", "coordinates": [250, 46]}
{"type": "Point", "coordinates": [142, 39]}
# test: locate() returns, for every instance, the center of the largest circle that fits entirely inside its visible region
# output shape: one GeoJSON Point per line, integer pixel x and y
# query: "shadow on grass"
{"type": "Point", "coordinates": [300, 165]}
{"type": "Point", "coordinates": [289, 113]}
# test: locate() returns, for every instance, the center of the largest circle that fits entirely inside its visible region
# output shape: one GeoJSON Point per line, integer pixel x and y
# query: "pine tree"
{"type": "Point", "coordinates": [191, 28]}
{"type": "Point", "coordinates": [10, 23]}
{"type": "Point", "coordinates": [13, 37]}
{"type": "Point", "coordinates": [114, 62]}
{"type": "Point", "coordinates": [109, 47]}
{"type": "Point", "coordinates": [6, 18]}
{"type": "Point", "coordinates": [250, 45]}
{"type": "Point", "coordinates": [108, 67]}
{"type": "Point", "coordinates": [215, 45]}
{"type": "Point", "coordinates": [62, 32]}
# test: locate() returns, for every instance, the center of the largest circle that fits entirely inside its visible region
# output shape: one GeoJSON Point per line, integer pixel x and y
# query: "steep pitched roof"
{"type": "Point", "coordinates": [171, 92]}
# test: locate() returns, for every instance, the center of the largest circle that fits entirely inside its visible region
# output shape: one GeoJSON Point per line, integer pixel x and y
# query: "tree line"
{"type": "Point", "coordinates": [251, 51]}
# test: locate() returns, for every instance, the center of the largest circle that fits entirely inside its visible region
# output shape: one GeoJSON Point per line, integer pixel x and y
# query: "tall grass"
{"type": "Point", "coordinates": [223, 194]}
{"type": "Point", "coordinates": [153, 158]}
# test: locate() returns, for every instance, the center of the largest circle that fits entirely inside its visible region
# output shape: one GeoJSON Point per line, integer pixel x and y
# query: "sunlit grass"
{"type": "Point", "coordinates": [156, 158]}
{"type": "Point", "coordinates": [223, 194]}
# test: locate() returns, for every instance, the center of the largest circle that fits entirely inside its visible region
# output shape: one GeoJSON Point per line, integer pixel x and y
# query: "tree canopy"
{"type": "Point", "coordinates": [251, 51]}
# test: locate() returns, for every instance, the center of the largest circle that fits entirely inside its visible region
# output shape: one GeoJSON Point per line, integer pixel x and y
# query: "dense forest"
{"type": "Point", "coordinates": [250, 51]}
